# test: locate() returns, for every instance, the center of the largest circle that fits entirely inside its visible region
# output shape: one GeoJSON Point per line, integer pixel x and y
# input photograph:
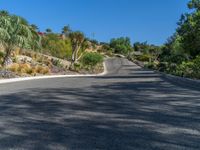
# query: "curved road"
{"type": "Point", "coordinates": [128, 109]}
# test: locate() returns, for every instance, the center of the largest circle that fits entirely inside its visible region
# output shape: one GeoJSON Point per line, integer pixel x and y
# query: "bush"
{"type": "Point", "coordinates": [144, 57]}
{"type": "Point", "coordinates": [152, 65]}
{"type": "Point", "coordinates": [91, 59]}
{"type": "Point", "coordinates": [162, 66]}
{"type": "Point", "coordinates": [41, 70]}
{"type": "Point", "coordinates": [77, 66]}
{"type": "Point", "coordinates": [20, 68]}
{"type": "Point", "coordinates": [121, 45]}
{"type": "Point", "coordinates": [53, 45]}
{"type": "Point", "coordinates": [185, 69]}
{"type": "Point", "coordinates": [189, 69]}
{"type": "Point", "coordinates": [196, 67]}
{"type": "Point", "coordinates": [45, 70]}
{"type": "Point", "coordinates": [14, 67]}
{"type": "Point", "coordinates": [24, 68]}
{"type": "Point", "coordinates": [27, 69]}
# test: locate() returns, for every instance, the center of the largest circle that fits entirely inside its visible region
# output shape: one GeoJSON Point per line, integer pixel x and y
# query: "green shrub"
{"type": "Point", "coordinates": [91, 59]}
{"type": "Point", "coordinates": [196, 67]}
{"type": "Point", "coordinates": [189, 69]}
{"type": "Point", "coordinates": [185, 69]}
{"type": "Point", "coordinates": [162, 66]}
{"type": "Point", "coordinates": [121, 45]}
{"type": "Point", "coordinates": [55, 46]}
{"type": "Point", "coordinates": [167, 67]}
{"type": "Point", "coordinates": [77, 66]}
{"type": "Point", "coordinates": [152, 65]}
{"type": "Point", "coordinates": [144, 57]}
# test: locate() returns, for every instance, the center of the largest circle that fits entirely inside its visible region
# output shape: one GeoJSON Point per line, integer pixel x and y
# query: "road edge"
{"type": "Point", "coordinates": [191, 83]}
{"type": "Point", "coordinates": [12, 80]}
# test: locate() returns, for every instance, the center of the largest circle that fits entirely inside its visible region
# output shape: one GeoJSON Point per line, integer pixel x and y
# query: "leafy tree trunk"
{"type": "Point", "coordinates": [74, 47]}
{"type": "Point", "coordinates": [73, 58]}
{"type": "Point", "coordinates": [6, 58]}
{"type": "Point", "coordinates": [77, 39]}
{"type": "Point", "coordinates": [76, 53]}
{"type": "Point", "coordinates": [79, 57]}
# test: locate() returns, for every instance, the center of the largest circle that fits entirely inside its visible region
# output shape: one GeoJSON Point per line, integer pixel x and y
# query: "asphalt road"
{"type": "Point", "coordinates": [128, 109]}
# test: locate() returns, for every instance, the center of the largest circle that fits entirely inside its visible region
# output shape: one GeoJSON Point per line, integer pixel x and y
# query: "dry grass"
{"type": "Point", "coordinates": [22, 69]}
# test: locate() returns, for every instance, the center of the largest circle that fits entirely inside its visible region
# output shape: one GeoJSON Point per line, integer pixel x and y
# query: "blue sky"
{"type": "Point", "coordinates": [142, 20]}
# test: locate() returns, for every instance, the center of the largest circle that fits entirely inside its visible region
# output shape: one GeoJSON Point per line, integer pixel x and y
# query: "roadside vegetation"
{"type": "Point", "coordinates": [26, 51]}
{"type": "Point", "coordinates": [90, 62]}
{"type": "Point", "coordinates": [180, 55]}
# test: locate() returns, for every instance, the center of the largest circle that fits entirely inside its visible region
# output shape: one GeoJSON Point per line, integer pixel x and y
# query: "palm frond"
{"type": "Point", "coordinates": [15, 32]}
{"type": "Point", "coordinates": [4, 36]}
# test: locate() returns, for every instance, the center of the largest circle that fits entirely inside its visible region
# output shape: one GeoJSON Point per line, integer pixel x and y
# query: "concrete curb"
{"type": "Point", "coordinates": [12, 80]}
{"type": "Point", "coordinates": [181, 81]}
{"type": "Point", "coordinates": [191, 83]}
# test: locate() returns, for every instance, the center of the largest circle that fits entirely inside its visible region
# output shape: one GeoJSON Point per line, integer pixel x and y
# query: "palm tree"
{"type": "Point", "coordinates": [66, 30]}
{"type": "Point", "coordinates": [77, 39]}
{"type": "Point", "coordinates": [35, 27]}
{"type": "Point", "coordinates": [15, 32]}
{"type": "Point", "coordinates": [4, 13]}
{"type": "Point", "coordinates": [48, 30]}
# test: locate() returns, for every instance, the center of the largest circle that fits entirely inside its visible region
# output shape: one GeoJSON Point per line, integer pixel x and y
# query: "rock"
{"type": "Point", "coordinates": [24, 59]}
{"type": "Point", "coordinates": [7, 74]}
{"type": "Point", "coordinates": [8, 62]}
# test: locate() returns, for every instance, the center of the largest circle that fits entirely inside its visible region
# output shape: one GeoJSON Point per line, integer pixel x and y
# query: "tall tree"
{"type": "Point", "coordinates": [4, 13]}
{"type": "Point", "coordinates": [188, 29]}
{"type": "Point", "coordinates": [66, 30]}
{"type": "Point", "coordinates": [121, 45]}
{"type": "Point", "coordinates": [15, 32]}
{"type": "Point", "coordinates": [77, 39]}
{"type": "Point", "coordinates": [194, 4]}
{"type": "Point", "coordinates": [48, 30]}
{"type": "Point", "coordinates": [35, 27]}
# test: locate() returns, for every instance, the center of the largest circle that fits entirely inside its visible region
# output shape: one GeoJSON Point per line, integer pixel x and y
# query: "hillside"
{"type": "Point", "coordinates": [25, 51]}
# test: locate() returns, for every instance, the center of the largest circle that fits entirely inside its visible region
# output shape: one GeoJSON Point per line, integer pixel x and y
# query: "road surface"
{"type": "Point", "coordinates": [128, 109]}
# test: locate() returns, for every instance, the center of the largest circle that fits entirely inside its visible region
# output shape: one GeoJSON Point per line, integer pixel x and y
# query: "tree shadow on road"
{"type": "Point", "coordinates": [110, 115]}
